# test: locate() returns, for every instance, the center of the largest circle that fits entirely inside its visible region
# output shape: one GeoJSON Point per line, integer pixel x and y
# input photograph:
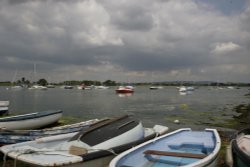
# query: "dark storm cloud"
{"type": "Point", "coordinates": [166, 60]}
{"type": "Point", "coordinates": [131, 17]}
{"type": "Point", "coordinates": [85, 37]}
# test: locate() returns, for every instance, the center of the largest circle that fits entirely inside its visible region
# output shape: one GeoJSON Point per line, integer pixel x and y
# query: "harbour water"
{"type": "Point", "coordinates": [204, 107]}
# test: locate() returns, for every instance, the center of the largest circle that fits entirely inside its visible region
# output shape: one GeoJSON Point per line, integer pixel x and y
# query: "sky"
{"type": "Point", "coordinates": [125, 40]}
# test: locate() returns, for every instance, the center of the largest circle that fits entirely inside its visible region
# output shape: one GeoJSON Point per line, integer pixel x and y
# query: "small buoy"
{"type": "Point", "coordinates": [176, 121]}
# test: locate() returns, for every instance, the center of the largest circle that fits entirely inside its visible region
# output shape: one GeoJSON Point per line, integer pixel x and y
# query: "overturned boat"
{"type": "Point", "coordinates": [30, 121]}
{"type": "Point", "coordinates": [95, 146]}
{"type": "Point", "coordinates": [18, 136]}
{"type": "Point", "coordinates": [182, 147]}
{"type": "Point", "coordinates": [238, 152]}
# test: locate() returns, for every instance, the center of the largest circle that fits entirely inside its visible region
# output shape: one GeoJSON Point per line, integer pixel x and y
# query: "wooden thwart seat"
{"type": "Point", "coordinates": [175, 154]}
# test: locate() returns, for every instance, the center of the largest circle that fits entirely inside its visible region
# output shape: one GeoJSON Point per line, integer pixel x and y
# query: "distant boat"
{"type": "Point", "coordinates": [18, 136]}
{"type": "Point", "coordinates": [30, 121]}
{"type": "Point", "coordinates": [81, 87]}
{"type": "Point", "coordinates": [37, 87]}
{"type": "Point", "coordinates": [155, 87]}
{"type": "Point", "coordinates": [93, 147]}
{"type": "Point", "coordinates": [67, 87]}
{"type": "Point", "coordinates": [4, 107]}
{"type": "Point", "coordinates": [85, 87]}
{"type": "Point", "coordinates": [4, 103]}
{"type": "Point", "coordinates": [125, 89]}
{"type": "Point", "coordinates": [16, 87]}
{"type": "Point", "coordinates": [50, 86]}
{"type": "Point", "coordinates": [190, 88]}
{"type": "Point", "coordinates": [101, 87]}
{"type": "Point", "coordinates": [182, 89]}
{"type": "Point", "coordinates": [13, 86]}
{"type": "Point", "coordinates": [238, 152]}
{"type": "Point", "coordinates": [182, 147]}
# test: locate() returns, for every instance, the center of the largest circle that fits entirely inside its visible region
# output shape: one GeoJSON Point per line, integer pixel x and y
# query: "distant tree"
{"type": "Point", "coordinates": [23, 79]}
{"type": "Point", "coordinates": [42, 82]}
{"type": "Point", "coordinates": [109, 83]}
{"type": "Point", "coordinates": [27, 82]}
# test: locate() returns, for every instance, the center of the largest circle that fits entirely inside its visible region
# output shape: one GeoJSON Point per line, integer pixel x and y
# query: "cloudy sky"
{"type": "Point", "coordinates": [125, 40]}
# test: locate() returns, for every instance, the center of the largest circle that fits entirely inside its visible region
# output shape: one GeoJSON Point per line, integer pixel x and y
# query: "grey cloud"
{"type": "Point", "coordinates": [130, 16]}
{"type": "Point", "coordinates": [131, 36]}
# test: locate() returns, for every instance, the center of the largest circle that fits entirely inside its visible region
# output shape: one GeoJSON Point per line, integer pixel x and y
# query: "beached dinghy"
{"type": "Point", "coordinates": [93, 147]}
{"type": "Point", "coordinates": [18, 136]}
{"type": "Point", "coordinates": [182, 147]}
{"type": "Point", "coordinates": [238, 153]}
{"type": "Point", "coordinates": [30, 121]}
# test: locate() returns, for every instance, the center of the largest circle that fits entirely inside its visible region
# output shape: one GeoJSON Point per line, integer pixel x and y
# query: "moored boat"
{"type": "Point", "coordinates": [67, 87]}
{"type": "Point", "coordinates": [30, 121]}
{"type": "Point", "coordinates": [101, 87]}
{"type": "Point", "coordinates": [81, 87]}
{"type": "Point", "coordinates": [4, 103]}
{"type": "Point", "coordinates": [182, 89]}
{"type": "Point", "coordinates": [38, 87]}
{"type": "Point", "coordinates": [182, 147]}
{"type": "Point", "coordinates": [95, 146]}
{"type": "Point", "coordinates": [17, 136]}
{"type": "Point", "coordinates": [238, 153]}
{"type": "Point", "coordinates": [155, 87]}
{"type": "Point", "coordinates": [125, 89]}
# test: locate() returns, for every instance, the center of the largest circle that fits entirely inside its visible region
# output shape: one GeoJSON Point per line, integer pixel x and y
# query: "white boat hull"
{"type": "Point", "coordinates": [137, 157]}
{"type": "Point", "coordinates": [47, 151]}
{"type": "Point", "coordinates": [31, 123]}
{"type": "Point", "coordinates": [4, 103]}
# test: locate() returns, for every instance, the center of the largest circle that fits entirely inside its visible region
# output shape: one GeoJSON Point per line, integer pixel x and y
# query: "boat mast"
{"type": "Point", "coordinates": [35, 73]}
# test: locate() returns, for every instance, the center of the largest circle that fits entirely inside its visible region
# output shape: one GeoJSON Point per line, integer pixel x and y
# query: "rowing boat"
{"type": "Point", "coordinates": [182, 147]}
{"type": "Point", "coordinates": [30, 121]}
{"type": "Point", "coordinates": [95, 146]}
{"type": "Point", "coordinates": [18, 136]}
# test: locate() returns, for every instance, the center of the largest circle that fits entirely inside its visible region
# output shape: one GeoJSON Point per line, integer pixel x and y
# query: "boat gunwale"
{"type": "Point", "coordinates": [235, 148]}
{"type": "Point", "coordinates": [203, 161]}
{"type": "Point", "coordinates": [88, 156]}
{"type": "Point", "coordinates": [30, 116]}
{"type": "Point", "coordinates": [117, 149]}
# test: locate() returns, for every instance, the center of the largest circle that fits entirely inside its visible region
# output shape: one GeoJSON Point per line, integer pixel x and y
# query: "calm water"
{"type": "Point", "coordinates": [202, 108]}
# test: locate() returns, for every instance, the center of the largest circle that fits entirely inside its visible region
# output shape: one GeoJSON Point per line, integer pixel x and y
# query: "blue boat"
{"type": "Point", "coordinates": [182, 147]}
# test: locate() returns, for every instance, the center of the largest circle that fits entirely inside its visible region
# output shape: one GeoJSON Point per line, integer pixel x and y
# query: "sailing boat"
{"type": "Point", "coordinates": [16, 87]}
{"type": "Point", "coordinates": [36, 86]}
{"type": "Point", "coordinates": [154, 87]}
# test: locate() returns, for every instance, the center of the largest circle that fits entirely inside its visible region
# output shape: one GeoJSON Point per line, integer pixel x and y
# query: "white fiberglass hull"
{"type": "Point", "coordinates": [174, 150]}
{"type": "Point", "coordinates": [47, 151]}
{"type": "Point", "coordinates": [31, 123]}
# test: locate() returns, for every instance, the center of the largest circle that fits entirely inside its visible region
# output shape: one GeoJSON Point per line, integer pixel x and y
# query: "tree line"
{"type": "Point", "coordinates": [44, 82]}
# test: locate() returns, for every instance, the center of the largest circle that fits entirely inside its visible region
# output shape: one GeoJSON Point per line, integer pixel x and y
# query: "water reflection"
{"type": "Point", "coordinates": [203, 108]}
{"type": "Point", "coordinates": [186, 93]}
{"type": "Point", "coordinates": [124, 94]}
